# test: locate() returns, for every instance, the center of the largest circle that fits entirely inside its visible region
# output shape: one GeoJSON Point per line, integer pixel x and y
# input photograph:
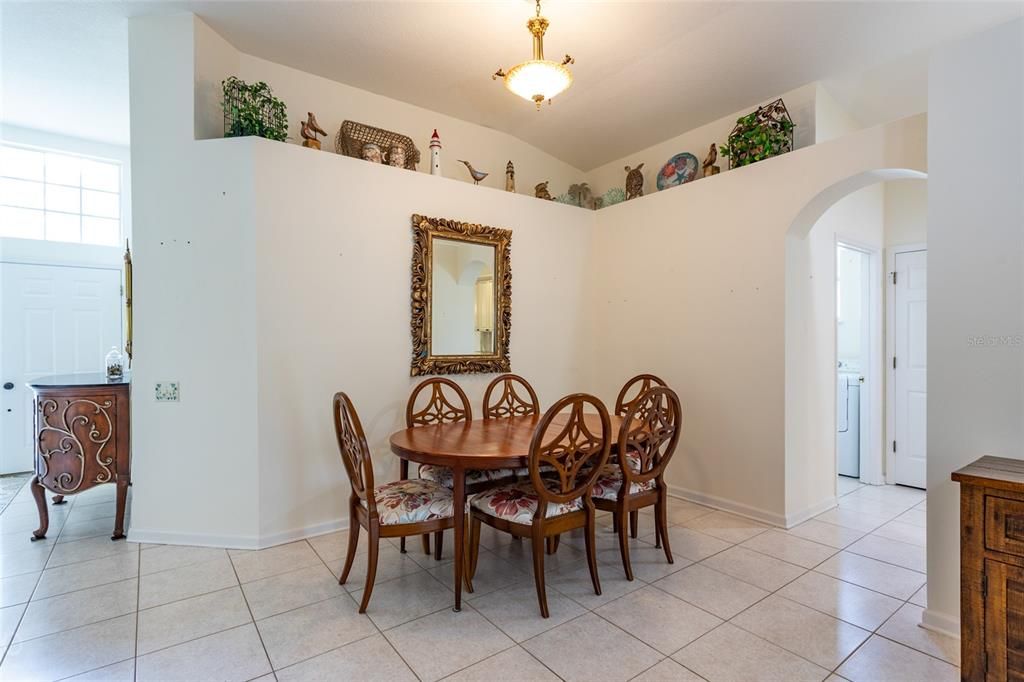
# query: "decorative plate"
{"type": "Point", "coordinates": [677, 170]}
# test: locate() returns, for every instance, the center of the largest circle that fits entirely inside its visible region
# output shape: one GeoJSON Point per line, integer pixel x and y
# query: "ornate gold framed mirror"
{"type": "Point", "coordinates": [461, 297]}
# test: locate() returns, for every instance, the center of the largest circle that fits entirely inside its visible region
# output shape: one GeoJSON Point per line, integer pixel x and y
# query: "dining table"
{"type": "Point", "coordinates": [478, 444]}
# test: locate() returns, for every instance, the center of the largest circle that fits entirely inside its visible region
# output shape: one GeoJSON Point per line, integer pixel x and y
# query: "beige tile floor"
{"type": "Point", "coordinates": [838, 597]}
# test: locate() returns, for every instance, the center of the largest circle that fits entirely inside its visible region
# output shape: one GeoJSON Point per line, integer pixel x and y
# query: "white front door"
{"type": "Point", "coordinates": [53, 320]}
{"type": "Point", "coordinates": [911, 360]}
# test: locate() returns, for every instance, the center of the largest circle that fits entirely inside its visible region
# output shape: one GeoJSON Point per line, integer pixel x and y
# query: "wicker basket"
{"type": "Point", "coordinates": [353, 136]}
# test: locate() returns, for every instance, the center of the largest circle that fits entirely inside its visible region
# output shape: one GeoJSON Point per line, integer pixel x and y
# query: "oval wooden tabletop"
{"type": "Point", "coordinates": [479, 444]}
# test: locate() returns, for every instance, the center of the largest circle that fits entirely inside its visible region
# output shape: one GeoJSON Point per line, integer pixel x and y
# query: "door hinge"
{"type": "Point", "coordinates": [984, 584]}
{"type": "Point", "coordinates": [894, 362]}
{"type": "Point", "coordinates": [894, 446]}
{"type": "Point", "coordinates": [893, 273]}
{"type": "Point", "coordinates": [986, 663]}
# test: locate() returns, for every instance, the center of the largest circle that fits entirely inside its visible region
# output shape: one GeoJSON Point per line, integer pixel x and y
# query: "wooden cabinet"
{"type": "Point", "coordinates": [82, 439]}
{"type": "Point", "coordinates": [992, 569]}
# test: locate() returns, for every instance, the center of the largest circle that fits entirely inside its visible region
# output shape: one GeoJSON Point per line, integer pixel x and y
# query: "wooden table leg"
{"type": "Point", "coordinates": [39, 493]}
{"type": "Point", "coordinates": [122, 497]}
{"type": "Point", "coordinates": [403, 470]}
{"type": "Point", "coordinates": [459, 512]}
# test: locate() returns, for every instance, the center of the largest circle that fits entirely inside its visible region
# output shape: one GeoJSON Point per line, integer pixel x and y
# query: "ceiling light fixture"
{"type": "Point", "coordinates": [538, 79]}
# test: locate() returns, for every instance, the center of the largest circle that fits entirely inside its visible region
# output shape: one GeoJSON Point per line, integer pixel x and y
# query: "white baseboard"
{"type": "Point", "coordinates": [161, 537]}
{"type": "Point", "coordinates": [941, 623]}
{"type": "Point", "coordinates": [811, 512]}
{"type": "Point", "coordinates": [731, 506]}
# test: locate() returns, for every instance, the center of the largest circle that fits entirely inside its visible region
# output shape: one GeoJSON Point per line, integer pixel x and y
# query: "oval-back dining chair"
{"type": "Point", "coordinates": [517, 398]}
{"type": "Point", "coordinates": [630, 393]}
{"type": "Point", "coordinates": [633, 389]}
{"type": "Point", "coordinates": [395, 509]}
{"type": "Point", "coordinates": [647, 439]}
{"type": "Point", "coordinates": [575, 448]}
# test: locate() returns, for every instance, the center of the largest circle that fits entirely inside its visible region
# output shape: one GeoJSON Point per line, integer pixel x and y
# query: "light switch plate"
{"type": "Point", "coordinates": [166, 391]}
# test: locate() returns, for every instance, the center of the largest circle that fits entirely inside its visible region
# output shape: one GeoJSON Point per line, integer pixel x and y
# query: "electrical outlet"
{"type": "Point", "coordinates": [166, 391]}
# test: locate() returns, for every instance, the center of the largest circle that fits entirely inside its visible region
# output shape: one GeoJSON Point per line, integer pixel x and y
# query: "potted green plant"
{"type": "Point", "coordinates": [761, 134]}
{"type": "Point", "coordinates": [253, 110]}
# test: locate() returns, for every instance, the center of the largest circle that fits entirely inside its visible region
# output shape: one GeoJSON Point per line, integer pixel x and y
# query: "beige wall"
{"type": "Point", "coordinates": [274, 275]}
{"type": "Point", "coordinates": [906, 213]}
{"type": "Point", "coordinates": [800, 103]}
{"type": "Point", "coordinates": [706, 286]}
{"type": "Point", "coordinates": [488, 150]}
{"type": "Point", "coordinates": [975, 282]}
{"type": "Point", "coordinates": [333, 313]}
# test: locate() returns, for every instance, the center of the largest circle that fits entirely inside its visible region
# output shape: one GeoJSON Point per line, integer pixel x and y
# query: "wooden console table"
{"type": "Point", "coordinates": [81, 440]}
{"type": "Point", "coordinates": [991, 569]}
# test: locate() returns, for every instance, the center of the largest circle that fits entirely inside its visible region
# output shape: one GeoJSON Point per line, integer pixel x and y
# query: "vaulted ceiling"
{"type": "Point", "coordinates": [645, 71]}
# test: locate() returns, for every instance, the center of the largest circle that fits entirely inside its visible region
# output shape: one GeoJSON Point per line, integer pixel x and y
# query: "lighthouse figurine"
{"type": "Point", "coordinates": [510, 177]}
{"type": "Point", "coordinates": [435, 154]}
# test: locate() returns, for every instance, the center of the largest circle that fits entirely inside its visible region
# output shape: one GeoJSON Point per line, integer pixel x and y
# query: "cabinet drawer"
{"type": "Point", "coordinates": [1004, 525]}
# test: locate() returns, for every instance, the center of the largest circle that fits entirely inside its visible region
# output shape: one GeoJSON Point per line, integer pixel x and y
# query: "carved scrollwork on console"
{"type": "Point", "coordinates": [72, 437]}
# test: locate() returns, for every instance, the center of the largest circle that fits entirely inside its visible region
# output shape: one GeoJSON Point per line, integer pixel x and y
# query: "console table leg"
{"type": "Point", "coordinates": [59, 499]}
{"type": "Point", "coordinates": [39, 493]}
{"type": "Point", "coordinates": [122, 497]}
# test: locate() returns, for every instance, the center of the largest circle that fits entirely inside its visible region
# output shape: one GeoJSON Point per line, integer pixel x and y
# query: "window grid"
{"type": "Point", "coordinates": [80, 187]}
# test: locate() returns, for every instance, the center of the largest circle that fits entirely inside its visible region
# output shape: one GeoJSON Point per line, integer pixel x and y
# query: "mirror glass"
{"type": "Point", "coordinates": [462, 304]}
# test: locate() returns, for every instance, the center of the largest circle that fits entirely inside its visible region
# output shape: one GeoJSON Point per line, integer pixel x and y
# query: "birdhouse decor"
{"type": "Point", "coordinates": [252, 109]}
{"type": "Point", "coordinates": [761, 134]}
{"type": "Point", "coordinates": [361, 141]}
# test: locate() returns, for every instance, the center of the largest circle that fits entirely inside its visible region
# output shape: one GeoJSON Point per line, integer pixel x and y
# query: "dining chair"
{"type": "Point", "coordinates": [512, 402]}
{"type": "Point", "coordinates": [517, 399]}
{"type": "Point", "coordinates": [446, 403]}
{"type": "Point", "coordinates": [396, 509]}
{"type": "Point", "coordinates": [577, 450]}
{"type": "Point", "coordinates": [647, 439]}
{"type": "Point", "coordinates": [639, 384]}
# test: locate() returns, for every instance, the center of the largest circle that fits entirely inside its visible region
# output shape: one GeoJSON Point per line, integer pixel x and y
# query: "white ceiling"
{"type": "Point", "coordinates": [645, 71]}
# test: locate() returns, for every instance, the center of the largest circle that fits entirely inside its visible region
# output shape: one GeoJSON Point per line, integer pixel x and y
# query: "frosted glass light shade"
{"type": "Point", "coordinates": [538, 79]}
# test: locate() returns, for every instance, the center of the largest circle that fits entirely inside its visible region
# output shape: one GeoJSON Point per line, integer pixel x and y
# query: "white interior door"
{"type": "Point", "coordinates": [53, 320]}
{"type": "Point", "coordinates": [911, 360]}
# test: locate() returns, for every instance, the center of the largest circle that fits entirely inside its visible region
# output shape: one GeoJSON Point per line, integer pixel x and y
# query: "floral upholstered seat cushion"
{"type": "Point", "coordinates": [517, 502]}
{"type": "Point", "coordinates": [443, 475]}
{"type": "Point", "coordinates": [610, 480]}
{"type": "Point", "coordinates": [412, 501]}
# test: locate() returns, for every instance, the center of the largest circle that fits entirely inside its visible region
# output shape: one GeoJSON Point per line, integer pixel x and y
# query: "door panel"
{"type": "Point", "coordinates": [53, 320]}
{"type": "Point", "coordinates": [910, 377]}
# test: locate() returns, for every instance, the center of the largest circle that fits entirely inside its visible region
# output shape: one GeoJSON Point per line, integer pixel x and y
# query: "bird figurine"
{"type": "Point", "coordinates": [477, 175]}
{"type": "Point", "coordinates": [709, 162]}
{"type": "Point", "coordinates": [309, 131]}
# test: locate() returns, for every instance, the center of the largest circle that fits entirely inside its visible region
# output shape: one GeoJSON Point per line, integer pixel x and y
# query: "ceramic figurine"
{"type": "Point", "coordinates": [582, 195]}
{"type": "Point", "coordinates": [473, 172]}
{"type": "Point", "coordinates": [309, 131]}
{"type": "Point", "coordinates": [396, 156]}
{"type": "Point", "coordinates": [510, 177]}
{"type": "Point", "coordinates": [435, 154]}
{"type": "Point", "coordinates": [709, 162]}
{"type": "Point", "coordinates": [634, 182]}
{"type": "Point", "coordinates": [678, 170]}
{"type": "Point", "coordinates": [541, 191]}
{"type": "Point", "coordinates": [371, 153]}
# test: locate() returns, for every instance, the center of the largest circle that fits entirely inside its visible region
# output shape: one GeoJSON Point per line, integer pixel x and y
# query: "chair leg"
{"type": "Point", "coordinates": [615, 522]}
{"type": "Point", "coordinates": [474, 546]}
{"type": "Point", "coordinates": [552, 543]}
{"type": "Point", "coordinates": [426, 543]}
{"type": "Point", "coordinates": [662, 513]}
{"type": "Point", "coordinates": [657, 529]}
{"type": "Point", "coordinates": [353, 542]}
{"type": "Point", "coordinates": [403, 474]}
{"type": "Point", "coordinates": [634, 523]}
{"type": "Point", "coordinates": [438, 544]}
{"type": "Point", "coordinates": [558, 540]}
{"type": "Point", "coordinates": [371, 567]}
{"type": "Point", "coordinates": [627, 567]}
{"type": "Point", "coordinates": [592, 550]}
{"type": "Point", "coordinates": [538, 571]}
